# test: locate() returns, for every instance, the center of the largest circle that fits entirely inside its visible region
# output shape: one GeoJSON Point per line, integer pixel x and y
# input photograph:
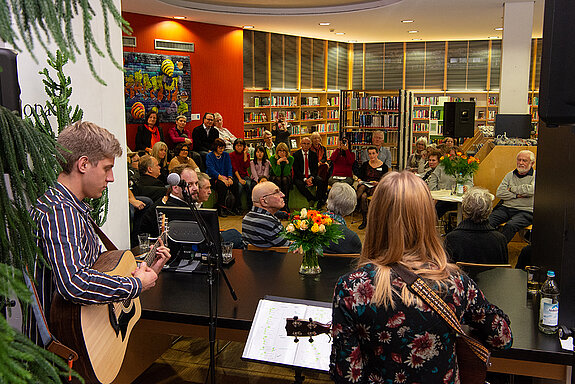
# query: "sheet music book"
{"type": "Point", "coordinates": [268, 341]}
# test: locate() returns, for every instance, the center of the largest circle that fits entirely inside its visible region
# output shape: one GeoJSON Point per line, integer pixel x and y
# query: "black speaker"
{"type": "Point", "coordinates": [459, 119]}
{"type": "Point", "coordinates": [9, 88]}
{"type": "Point", "coordinates": [557, 88]}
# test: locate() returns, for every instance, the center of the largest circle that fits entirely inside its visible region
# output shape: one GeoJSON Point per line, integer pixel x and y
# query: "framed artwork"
{"type": "Point", "coordinates": [160, 82]}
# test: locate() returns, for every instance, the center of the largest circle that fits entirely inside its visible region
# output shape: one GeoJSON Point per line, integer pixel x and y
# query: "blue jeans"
{"type": "Point", "coordinates": [241, 188]}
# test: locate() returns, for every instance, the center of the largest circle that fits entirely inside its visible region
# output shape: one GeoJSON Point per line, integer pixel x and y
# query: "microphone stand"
{"type": "Point", "coordinates": [214, 266]}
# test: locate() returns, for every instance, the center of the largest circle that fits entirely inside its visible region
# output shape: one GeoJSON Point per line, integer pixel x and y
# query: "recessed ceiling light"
{"type": "Point", "coordinates": [413, 31]}
{"type": "Point", "coordinates": [499, 29]}
{"type": "Point", "coordinates": [407, 21]}
{"type": "Point", "coordinates": [352, 41]}
{"type": "Point", "coordinates": [324, 23]}
{"type": "Point", "coordinates": [179, 17]}
{"type": "Point", "coordinates": [416, 39]}
{"type": "Point", "coordinates": [493, 37]}
{"type": "Point", "coordinates": [340, 33]}
{"type": "Point", "coordinates": [248, 27]}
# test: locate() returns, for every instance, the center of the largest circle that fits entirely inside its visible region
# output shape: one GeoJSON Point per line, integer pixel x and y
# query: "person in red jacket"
{"type": "Point", "coordinates": [342, 160]}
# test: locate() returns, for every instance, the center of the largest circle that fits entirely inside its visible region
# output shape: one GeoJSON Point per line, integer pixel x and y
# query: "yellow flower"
{"type": "Point", "coordinates": [303, 225]}
{"type": "Point", "coordinates": [321, 228]}
{"type": "Point", "coordinates": [290, 228]}
{"type": "Point", "coordinates": [297, 223]}
{"type": "Point", "coordinates": [442, 157]}
{"type": "Point", "coordinates": [303, 213]}
{"type": "Point", "coordinates": [328, 221]}
{"type": "Point", "coordinates": [459, 153]}
{"type": "Point", "coordinates": [315, 228]}
{"type": "Point", "coordinates": [464, 157]}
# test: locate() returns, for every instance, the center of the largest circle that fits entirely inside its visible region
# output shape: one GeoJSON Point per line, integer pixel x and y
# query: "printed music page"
{"type": "Point", "coordinates": [268, 340]}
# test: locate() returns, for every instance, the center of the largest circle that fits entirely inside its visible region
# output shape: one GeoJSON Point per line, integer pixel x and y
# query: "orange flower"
{"type": "Point", "coordinates": [296, 217]}
{"type": "Point", "coordinates": [464, 157]}
{"type": "Point", "coordinates": [459, 153]}
{"type": "Point", "coordinates": [442, 157]}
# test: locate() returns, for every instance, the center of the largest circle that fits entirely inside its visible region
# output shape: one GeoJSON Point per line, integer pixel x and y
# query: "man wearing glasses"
{"type": "Point", "coordinates": [203, 136]}
{"type": "Point", "coordinates": [175, 198]}
{"type": "Point", "coordinates": [260, 227]}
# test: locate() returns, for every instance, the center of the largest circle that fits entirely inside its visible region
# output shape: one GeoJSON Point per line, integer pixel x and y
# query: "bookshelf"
{"type": "Point", "coordinates": [427, 115]}
{"type": "Point", "coordinates": [363, 112]}
{"type": "Point", "coordinates": [306, 111]}
{"type": "Point", "coordinates": [533, 101]}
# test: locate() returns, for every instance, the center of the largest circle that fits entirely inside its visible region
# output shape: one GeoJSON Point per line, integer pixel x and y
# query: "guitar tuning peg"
{"type": "Point", "coordinates": [311, 339]}
{"type": "Point", "coordinates": [295, 317]}
{"type": "Point", "coordinates": [296, 340]}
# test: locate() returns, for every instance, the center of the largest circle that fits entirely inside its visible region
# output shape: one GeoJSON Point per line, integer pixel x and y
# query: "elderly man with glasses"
{"type": "Point", "coordinates": [259, 226]}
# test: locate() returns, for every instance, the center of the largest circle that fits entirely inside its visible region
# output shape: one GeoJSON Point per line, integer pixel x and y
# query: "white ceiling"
{"type": "Point", "coordinates": [379, 21]}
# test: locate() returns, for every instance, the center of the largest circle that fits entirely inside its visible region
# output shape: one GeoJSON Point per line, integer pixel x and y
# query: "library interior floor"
{"type": "Point", "coordinates": [187, 361]}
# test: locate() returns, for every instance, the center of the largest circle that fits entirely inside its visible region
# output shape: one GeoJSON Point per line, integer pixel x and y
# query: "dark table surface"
{"type": "Point", "coordinates": [183, 297]}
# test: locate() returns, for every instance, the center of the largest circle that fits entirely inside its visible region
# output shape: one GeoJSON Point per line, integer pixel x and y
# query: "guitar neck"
{"type": "Point", "coordinates": [151, 255]}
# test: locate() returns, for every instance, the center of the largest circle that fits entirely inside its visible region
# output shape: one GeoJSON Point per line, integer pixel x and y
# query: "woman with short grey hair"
{"type": "Point", "coordinates": [475, 240]}
{"type": "Point", "coordinates": [341, 201]}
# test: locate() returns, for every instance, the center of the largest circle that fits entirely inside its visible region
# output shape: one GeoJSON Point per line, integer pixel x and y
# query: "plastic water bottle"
{"type": "Point", "coordinates": [549, 305]}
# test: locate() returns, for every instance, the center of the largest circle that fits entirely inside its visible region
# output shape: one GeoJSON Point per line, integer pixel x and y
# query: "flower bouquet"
{"type": "Point", "coordinates": [461, 167]}
{"type": "Point", "coordinates": [311, 230]}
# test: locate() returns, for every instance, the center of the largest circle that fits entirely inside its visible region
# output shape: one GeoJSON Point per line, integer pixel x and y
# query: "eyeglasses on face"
{"type": "Point", "coordinates": [277, 191]}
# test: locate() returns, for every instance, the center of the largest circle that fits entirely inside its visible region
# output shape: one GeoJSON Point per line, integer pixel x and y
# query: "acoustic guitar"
{"type": "Point", "coordinates": [100, 333]}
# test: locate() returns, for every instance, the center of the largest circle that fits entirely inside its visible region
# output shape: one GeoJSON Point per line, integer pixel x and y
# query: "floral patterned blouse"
{"type": "Point", "coordinates": [406, 344]}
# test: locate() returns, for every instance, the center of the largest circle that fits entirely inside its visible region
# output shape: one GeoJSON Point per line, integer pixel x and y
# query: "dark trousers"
{"type": "Point", "coordinates": [284, 184]}
{"type": "Point", "coordinates": [241, 188]}
{"type": "Point", "coordinates": [304, 190]}
{"type": "Point", "coordinates": [222, 191]}
{"type": "Point", "coordinates": [514, 220]}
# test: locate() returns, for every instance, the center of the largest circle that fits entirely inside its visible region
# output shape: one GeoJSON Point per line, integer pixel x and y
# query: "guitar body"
{"type": "Point", "coordinates": [99, 333]}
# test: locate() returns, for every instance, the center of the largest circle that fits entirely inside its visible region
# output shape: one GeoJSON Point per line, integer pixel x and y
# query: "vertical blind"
{"type": "Point", "coordinates": [374, 65]}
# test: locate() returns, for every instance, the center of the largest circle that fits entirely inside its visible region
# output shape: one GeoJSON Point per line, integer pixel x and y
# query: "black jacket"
{"type": "Point", "coordinates": [202, 142]}
{"type": "Point", "coordinates": [144, 138]}
{"type": "Point", "coordinates": [298, 164]}
{"type": "Point", "coordinates": [476, 243]}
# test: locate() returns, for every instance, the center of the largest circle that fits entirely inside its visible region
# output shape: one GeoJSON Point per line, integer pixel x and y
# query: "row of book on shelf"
{"type": "Point", "coordinates": [290, 101]}
{"type": "Point", "coordinates": [360, 137]}
{"type": "Point", "coordinates": [373, 102]}
{"type": "Point", "coordinates": [383, 120]}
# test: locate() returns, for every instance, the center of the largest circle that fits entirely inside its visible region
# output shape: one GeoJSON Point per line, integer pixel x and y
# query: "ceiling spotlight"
{"type": "Point", "coordinates": [413, 31]}
{"type": "Point", "coordinates": [407, 21]}
{"type": "Point", "coordinates": [180, 17]}
{"type": "Point", "coordinates": [499, 29]}
{"type": "Point", "coordinates": [324, 24]}
{"type": "Point", "coordinates": [415, 39]}
{"type": "Point", "coordinates": [248, 27]}
{"type": "Point", "coordinates": [493, 37]}
{"type": "Point", "coordinates": [340, 33]}
{"type": "Point", "coordinates": [352, 41]}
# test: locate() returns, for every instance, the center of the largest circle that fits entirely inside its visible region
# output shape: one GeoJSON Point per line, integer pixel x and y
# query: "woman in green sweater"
{"type": "Point", "coordinates": [281, 164]}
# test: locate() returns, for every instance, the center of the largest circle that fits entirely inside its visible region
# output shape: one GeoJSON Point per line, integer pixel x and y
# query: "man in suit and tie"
{"type": "Point", "coordinates": [203, 137]}
{"type": "Point", "coordinates": [305, 173]}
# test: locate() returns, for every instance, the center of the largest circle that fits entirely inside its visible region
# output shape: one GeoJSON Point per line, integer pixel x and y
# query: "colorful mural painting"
{"type": "Point", "coordinates": [159, 82]}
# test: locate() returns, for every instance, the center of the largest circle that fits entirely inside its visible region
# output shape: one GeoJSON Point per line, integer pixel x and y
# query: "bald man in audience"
{"type": "Point", "coordinates": [260, 227]}
{"type": "Point", "coordinates": [516, 193]}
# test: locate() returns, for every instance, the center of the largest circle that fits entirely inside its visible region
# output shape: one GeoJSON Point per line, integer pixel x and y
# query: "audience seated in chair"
{"type": "Point", "coordinates": [260, 166]}
{"type": "Point", "coordinates": [369, 175]}
{"type": "Point", "coordinates": [341, 202]}
{"type": "Point", "coordinates": [474, 240]}
{"type": "Point", "coordinates": [148, 184]}
{"type": "Point", "coordinates": [383, 153]}
{"type": "Point", "coordinates": [342, 160]}
{"type": "Point", "coordinates": [281, 164]}
{"type": "Point", "coordinates": [242, 181]}
{"type": "Point", "coordinates": [516, 193]}
{"type": "Point", "coordinates": [305, 167]}
{"type": "Point", "coordinates": [219, 168]}
{"type": "Point", "coordinates": [260, 227]}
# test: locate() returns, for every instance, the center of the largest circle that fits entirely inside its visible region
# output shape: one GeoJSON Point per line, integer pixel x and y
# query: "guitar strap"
{"type": "Point", "coordinates": [49, 341]}
{"type": "Point", "coordinates": [107, 242]}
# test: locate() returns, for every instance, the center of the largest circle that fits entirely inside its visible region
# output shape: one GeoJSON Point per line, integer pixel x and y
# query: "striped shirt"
{"type": "Point", "coordinates": [71, 246]}
{"type": "Point", "coordinates": [262, 229]}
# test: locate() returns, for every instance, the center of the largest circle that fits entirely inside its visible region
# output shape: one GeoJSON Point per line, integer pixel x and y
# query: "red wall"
{"type": "Point", "coordinates": [217, 65]}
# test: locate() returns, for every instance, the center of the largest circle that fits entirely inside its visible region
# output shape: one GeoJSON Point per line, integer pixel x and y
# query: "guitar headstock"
{"type": "Point", "coordinates": [296, 327]}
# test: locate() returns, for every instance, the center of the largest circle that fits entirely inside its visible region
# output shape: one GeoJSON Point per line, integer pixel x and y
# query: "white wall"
{"type": "Point", "coordinates": [103, 105]}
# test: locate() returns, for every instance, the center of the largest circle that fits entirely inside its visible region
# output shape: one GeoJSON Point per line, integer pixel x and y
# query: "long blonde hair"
{"type": "Point", "coordinates": [401, 229]}
{"type": "Point", "coordinates": [156, 150]}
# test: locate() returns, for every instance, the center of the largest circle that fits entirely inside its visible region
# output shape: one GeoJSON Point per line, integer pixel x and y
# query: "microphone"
{"type": "Point", "coordinates": [175, 181]}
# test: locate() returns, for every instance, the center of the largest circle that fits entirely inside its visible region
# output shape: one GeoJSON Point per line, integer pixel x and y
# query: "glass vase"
{"type": "Point", "coordinates": [459, 189]}
{"type": "Point", "coordinates": [310, 263]}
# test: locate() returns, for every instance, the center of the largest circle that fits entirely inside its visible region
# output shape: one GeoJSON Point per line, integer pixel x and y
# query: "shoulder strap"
{"type": "Point", "coordinates": [107, 242]}
{"type": "Point", "coordinates": [424, 291]}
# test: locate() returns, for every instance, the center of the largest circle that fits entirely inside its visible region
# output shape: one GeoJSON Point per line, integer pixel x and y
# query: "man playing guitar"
{"type": "Point", "coordinates": [65, 230]}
